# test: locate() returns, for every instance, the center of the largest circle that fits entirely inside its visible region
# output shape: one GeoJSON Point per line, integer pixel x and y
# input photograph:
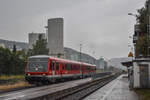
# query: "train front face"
{"type": "Point", "coordinates": [37, 69]}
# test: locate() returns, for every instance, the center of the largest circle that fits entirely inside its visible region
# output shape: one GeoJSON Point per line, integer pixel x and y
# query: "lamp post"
{"type": "Point", "coordinates": [130, 37]}
{"type": "Point", "coordinates": [132, 14]}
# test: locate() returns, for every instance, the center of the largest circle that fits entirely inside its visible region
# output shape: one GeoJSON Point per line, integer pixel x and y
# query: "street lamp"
{"type": "Point", "coordinates": [131, 14]}
{"type": "Point", "coordinates": [130, 37]}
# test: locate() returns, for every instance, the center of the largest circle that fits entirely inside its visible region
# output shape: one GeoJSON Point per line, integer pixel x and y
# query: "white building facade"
{"type": "Point", "coordinates": [33, 37]}
{"type": "Point", "coordinates": [141, 73]}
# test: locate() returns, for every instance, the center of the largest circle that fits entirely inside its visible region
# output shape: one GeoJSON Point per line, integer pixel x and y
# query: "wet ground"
{"type": "Point", "coordinates": [40, 91]}
{"type": "Point", "coordinates": [118, 89]}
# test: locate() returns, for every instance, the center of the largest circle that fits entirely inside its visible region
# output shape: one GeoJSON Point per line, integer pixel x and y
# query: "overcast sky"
{"type": "Point", "coordinates": [102, 26]}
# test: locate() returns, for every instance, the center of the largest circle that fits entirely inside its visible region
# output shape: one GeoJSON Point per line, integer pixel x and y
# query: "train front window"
{"type": "Point", "coordinates": [37, 64]}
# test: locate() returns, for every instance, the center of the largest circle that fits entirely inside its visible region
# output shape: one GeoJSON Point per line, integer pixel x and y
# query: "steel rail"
{"type": "Point", "coordinates": [78, 92]}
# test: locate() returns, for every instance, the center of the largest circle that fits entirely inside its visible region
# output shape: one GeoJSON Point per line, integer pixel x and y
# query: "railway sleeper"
{"type": "Point", "coordinates": [82, 90]}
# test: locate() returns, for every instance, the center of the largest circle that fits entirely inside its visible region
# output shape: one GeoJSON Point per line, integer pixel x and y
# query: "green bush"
{"type": "Point", "coordinates": [11, 63]}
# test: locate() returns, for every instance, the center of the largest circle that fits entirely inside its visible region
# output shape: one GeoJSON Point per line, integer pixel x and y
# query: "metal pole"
{"type": "Point", "coordinates": [148, 28]}
{"type": "Point", "coordinates": [80, 52]}
{"type": "Point", "coordinates": [149, 16]}
{"type": "Point", "coordinates": [81, 61]}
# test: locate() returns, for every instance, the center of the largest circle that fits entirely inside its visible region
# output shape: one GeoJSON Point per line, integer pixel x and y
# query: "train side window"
{"type": "Point", "coordinates": [66, 67]}
{"type": "Point", "coordinates": [57, 66]}
{"type": "Point", "coordinates": [63, 66]}
{"type": "Point", "coordinates": [51, 65]}
{"type": "Point", "coordinates": [70, 67]}
{"type": "Point", "coordinates": [75, 67]}
{"type": "Point", "coordinates": [79, 67]}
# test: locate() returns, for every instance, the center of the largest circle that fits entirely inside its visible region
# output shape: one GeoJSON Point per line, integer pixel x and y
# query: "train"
{"type": "Point", "coordinates": [44, 69]}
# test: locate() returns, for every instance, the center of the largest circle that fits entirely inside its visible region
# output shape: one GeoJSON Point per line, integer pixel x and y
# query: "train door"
{"type": "Point", "coordinates": [52, 67]}
{"type": "Point", "coordinates": [82, 70]}
{"type": "Point", "coordinates": [66, 68]}
{"type": "Point", "coordinates": [69, 68]}
{"type": "Point", "coordinates": [57, 68]}
{"type": "Point", "coordinates": [63, 68]}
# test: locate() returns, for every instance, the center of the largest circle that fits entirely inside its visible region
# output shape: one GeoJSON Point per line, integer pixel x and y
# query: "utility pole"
{"type": "Point", "coordinates": [80, 53]}
{"type": "Point", "coordinates": [94, 58]}
{"type": "Point", "coordinates": [81, 60]}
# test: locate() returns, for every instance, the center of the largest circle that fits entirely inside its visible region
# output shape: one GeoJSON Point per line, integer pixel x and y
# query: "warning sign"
{"type": "Point", "coordinates": [130, 54]}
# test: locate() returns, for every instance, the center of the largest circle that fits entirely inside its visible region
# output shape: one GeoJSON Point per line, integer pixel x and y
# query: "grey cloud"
{"type": "Point", "coordinates": [102, 26]}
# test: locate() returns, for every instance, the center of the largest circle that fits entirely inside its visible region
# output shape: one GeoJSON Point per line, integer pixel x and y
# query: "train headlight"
{"type": "Point", "coordinates": [43, 74]}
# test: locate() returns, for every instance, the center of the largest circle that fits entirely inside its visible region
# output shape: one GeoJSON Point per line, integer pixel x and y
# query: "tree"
{"type": "Point", "coordinates": [40, 48]}
{"type": "Point", "coordinates": [142, 45]}
{"type": "Point", "coordinates": [14, 48]}
{"type": "Point", "coordinates": [11, 63]}
{"type": "Point", "coordinates": [142, 18]}
{"type": "Point", "coordinates": [5, 56]}
{"type": "Point", "coordinates": [21, 54]}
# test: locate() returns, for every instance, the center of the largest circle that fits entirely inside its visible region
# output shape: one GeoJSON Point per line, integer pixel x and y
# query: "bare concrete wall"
{"type": "Point", "coordinates": [55, 36]}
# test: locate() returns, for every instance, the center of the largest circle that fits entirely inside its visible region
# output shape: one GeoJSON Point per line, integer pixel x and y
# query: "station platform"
{"type": "Point", "coordinates": [118, 89]}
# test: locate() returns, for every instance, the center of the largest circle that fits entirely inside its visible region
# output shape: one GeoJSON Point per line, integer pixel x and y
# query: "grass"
{"type": "Point", "coordinates": [99, 70]}
{"type": "Point", "coordinates": [144, 94]}
{"type": "Point", "coordinates": [5, 77]}
{"type": "Point", "coordinates": [12, 82]}
{"type": "Point", "coordinates": [12, 86]}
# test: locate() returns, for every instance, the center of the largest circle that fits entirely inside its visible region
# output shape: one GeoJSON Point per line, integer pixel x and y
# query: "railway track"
{"type": "Point", "coordinates": [78, 92]}
{"type": "Point", "coordinates": [75, 90]}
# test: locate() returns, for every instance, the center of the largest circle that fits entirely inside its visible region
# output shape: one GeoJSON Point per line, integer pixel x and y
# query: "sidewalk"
{"type": "Point", "coordinates": [118, 89]}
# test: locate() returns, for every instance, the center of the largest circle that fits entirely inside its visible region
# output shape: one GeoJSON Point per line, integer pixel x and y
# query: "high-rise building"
{"type": "Point", "coordinates": [33, 37]}
{"type": "Point", "coordinates": [55, 37]}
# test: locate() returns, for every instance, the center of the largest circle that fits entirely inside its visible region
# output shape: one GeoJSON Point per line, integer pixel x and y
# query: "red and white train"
{"type": "Point", "coordinates": [47, 69]}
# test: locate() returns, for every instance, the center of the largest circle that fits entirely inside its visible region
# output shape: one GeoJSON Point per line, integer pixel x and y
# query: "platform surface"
{"type": "Point", "coordinates": [118, 89]}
